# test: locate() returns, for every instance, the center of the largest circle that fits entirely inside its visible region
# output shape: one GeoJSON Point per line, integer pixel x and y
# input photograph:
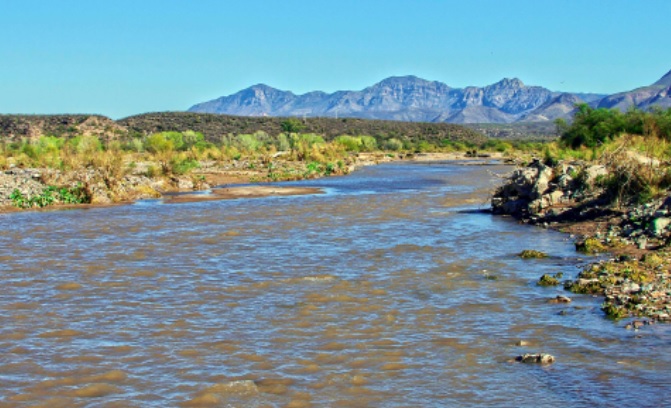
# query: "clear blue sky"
{"type": "Point", "coordinates": [123, 57]}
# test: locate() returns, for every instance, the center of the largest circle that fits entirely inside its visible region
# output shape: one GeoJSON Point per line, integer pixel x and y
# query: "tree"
{"type": "Point", "coordinates": [292, 125]}
{"type": "Point", "coordinates": [592, 127]}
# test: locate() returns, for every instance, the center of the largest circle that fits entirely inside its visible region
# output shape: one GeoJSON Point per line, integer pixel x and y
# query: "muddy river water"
{"type": "Point", "coordinates": [390, 289]}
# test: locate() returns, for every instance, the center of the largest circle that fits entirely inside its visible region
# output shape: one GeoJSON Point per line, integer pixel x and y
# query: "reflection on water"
{"type": "Point", "coordinates": [386, 291]}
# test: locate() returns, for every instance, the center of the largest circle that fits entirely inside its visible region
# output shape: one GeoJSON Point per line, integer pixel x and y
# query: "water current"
{"type": "Point", "coordinates": [390, 289]}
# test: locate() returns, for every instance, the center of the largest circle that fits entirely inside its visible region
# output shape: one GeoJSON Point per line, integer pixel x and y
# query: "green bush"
{"type": "Point", "coordinates": [182, 166]}
{"type": "Point", "coordinates": [86, 144]}
{"type": "Point", "coordinates": [593, 127]}
{"type": "Point", "coordinates": [158, 143]}
{"type": "Point", "coordinates": [392, 144]}
{"type": "Point", "coordinates": [51, 194]}
{"type": "Point", "coordinates": [350, 143]}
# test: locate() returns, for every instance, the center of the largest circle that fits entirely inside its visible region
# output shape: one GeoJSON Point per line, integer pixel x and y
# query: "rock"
{"type": "Point", "coordinates": [564, 181]}
{"type": "Point", "coordinates": [631, 287]}
{"type": "Point", "coordinates": [532, 254]}
{"type": "Point", "coordinates": [642, 243]}
{"type": "Point", "coordinates": [548, 280]}
{"type": "Point", "coordinates": [594, 172]}
{"type": "Point", "coordinates": [659, 225]}
{"type": "Point", "coordinates": [511, 207]}
{"type": "Point", "coordinates": [555, 197]}
{"type": "Point", "coordinates": [542, 181]}
{"type": "Point", "coordinates": [540, 358]}
{"type": "Point", "coordinates": [560, 299]}
{"type": "Point", "coordinates": [523, 181]}
{"type": "Point", "coordinates": [642, 159]}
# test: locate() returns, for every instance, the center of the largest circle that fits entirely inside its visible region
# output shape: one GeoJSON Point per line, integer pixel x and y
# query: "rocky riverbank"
{"type": "Point", "coordinates": [577, 197]}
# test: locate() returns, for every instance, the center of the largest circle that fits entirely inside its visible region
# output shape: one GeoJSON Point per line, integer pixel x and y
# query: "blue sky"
{"type": "Point", "coordinates": [120, 58]}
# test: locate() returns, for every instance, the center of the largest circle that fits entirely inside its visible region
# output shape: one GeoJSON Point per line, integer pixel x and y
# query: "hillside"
{"type": "Point", "coordinates": [214, 126]}
{"type": "Point", "coordinates": [657, 94]}
{"type": "Point", "coordinates": [14, 127]}
{"type": "Point", "coordinates": [30, 126]}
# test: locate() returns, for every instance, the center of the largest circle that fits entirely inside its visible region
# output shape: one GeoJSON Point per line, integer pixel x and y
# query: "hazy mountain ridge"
{"type": "Point", "coordinates": [657, 94]}
{"type": "Point", "coordinates": [409, 98]}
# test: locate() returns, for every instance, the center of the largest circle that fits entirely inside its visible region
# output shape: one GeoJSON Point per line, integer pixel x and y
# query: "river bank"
{"type": "Point", "coordinates": [576, 198]}
{"type": "Point", "coordinates": [99, 186]}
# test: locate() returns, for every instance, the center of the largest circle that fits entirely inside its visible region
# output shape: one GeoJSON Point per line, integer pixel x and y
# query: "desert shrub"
{"type": "Point", "coordinates": [350, 143]}
{"type": "Point", "coordinates": [392, 145]}
{"type": "Point", "coordinates": [134, 145]}
{"type": "Point", "coordinates": [86, 144]}
{"type": "Point", "coordinates": [368, 143]}
{"type": "Point", "coordinates": [192, 138]}
{"type": "Point", "coordinates": [283, 142]}
{"type": "Point", "coordinates": [158, 143]}
{"type": "Point", "coordinates": [50, 144]}
{"type": "Point", "coordinates": [182, 165]}
{"type": "Point", "coordinates": [496, 145]}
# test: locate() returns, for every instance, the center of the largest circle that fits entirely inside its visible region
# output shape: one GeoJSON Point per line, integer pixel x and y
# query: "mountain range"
{"type": "Point", "coordinates": [409, 98]}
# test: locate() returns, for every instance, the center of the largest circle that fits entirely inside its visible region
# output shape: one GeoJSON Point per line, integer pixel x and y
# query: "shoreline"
{"type": "Point", "coordinates": [224, 182]}
{"type": "Point", "coordinates": [635, 282]}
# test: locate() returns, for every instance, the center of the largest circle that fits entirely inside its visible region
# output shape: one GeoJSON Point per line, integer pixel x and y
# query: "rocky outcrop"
{"type": "Point", "coordinates": [532, 191]}
{"type": "Point", "coordinates": [570, 193]}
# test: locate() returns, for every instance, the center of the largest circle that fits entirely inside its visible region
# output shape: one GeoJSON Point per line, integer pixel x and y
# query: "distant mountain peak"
{"type": "Point", "coordinates": [262, 87]}
{"type": "Point", "coordinates": [403, 80]}
{"type": "Point", "coordinates": [413, 99]}
{"type": "Point", "coordinates": [664, 81]}
{"type": "Point", "coordinates": [510, 83]}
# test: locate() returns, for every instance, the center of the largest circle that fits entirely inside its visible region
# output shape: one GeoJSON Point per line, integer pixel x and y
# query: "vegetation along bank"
{"type": "Point", "coordinates": [608, 182]}
{"type": "Point", "coordinates": [80, 159]}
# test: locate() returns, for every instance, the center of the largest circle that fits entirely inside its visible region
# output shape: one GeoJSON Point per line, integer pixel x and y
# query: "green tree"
{"type": "Point", "coordinates": [158, 143]}
{"type": "Point", "coordinates": [292, 125]}
{"type": "Point", "coordinates": [592, 127]}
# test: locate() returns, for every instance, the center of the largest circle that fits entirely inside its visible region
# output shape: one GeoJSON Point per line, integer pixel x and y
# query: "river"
{"type": "Point", "coordinates": [390, 289]}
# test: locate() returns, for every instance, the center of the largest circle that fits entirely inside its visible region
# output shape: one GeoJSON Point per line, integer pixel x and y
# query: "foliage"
{"type": "Point", "coordinates": [292, 125]}
{"type": "Point", "coordinates": [50, 195]}
{"type": "Point", "coordinates": [590, 245]}
{"type": "Point", "coordinates": [86, 144]}
{"type": "Point", "coordinates": [496, 145]}
{"type": "Point", "coordinates": [180, 166]}
{"type": "Point", "coordinates": [213, 126]}
{"type": "Point", "coordinates": [158, 143]}
{"type": "Point", "coordinates": [594, 127]}
{"type": "Point", "coordinates": [359, 143]}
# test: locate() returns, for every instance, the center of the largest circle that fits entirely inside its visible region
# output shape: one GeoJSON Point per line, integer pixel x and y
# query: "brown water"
{"type": "Point", "coordinates": [373, 294]}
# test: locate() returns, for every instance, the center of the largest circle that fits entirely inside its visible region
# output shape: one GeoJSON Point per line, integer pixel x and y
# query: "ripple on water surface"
{"type": "Point", "coordinates": [382, 292]}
